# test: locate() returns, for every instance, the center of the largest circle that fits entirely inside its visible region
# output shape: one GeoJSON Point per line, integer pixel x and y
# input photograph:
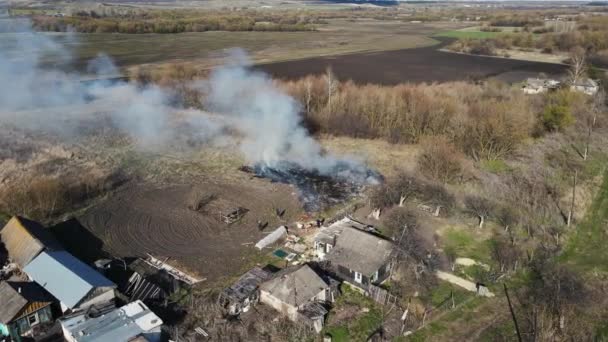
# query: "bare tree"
{"type": "Point", "coordinates": [578, 65]}
{"type": "Point", "coordinates": [480, 207]}
{"type": "Point", "coordinates": [332, 85]}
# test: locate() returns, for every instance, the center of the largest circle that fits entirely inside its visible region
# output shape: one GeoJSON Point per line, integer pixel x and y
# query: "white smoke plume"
{"type": "Point", "coordinates": [268, 121]}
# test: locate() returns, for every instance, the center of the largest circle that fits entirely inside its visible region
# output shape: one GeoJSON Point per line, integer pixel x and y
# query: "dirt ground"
{"type": "Point", "coordinates": [426, 64]}
{"type": "Point", "coordinates": [147, 218]}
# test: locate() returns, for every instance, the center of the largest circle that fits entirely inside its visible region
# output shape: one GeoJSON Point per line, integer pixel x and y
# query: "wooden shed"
{"type": "Point", "coordinates": [25, 239]}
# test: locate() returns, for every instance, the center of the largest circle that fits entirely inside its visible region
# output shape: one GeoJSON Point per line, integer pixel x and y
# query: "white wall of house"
{"type": "Point", "coordinates": [102, 298]}
{"type": "Point", "coordinates": [286, 309]}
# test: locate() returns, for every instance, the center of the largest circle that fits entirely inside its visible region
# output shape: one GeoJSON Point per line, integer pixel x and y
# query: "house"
{"type": "Point", "coordinates": [586, 86]}
{"type": "Point", "coordinates": [539, 85]}
{"type": "Point", "coordinates": [298, 293]}
{"type": "Point", "coordinates": [132, 322]}
{"type": "Point", "coordinates": [325, 238]}
{"type": "Point", "coordinates": [25, 239]}
{"type": "Point", "coordinates": [244, 292]}
{"type": "Point", "coordinates": [25, 310]}
{"type": "Point", "coordinates": [72, 282]}
{"type": "Point", "coordinates": [354, 255]}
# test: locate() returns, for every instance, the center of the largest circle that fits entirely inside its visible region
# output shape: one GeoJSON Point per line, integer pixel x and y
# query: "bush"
{"type": "Point", "coordinates": [557, 117]}
{"type": "Point", "coordinates": [440, 160]}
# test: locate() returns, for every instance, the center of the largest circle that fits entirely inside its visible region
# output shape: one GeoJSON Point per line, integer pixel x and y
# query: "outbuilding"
{"type": "Point", "coordinates": [75, 284]}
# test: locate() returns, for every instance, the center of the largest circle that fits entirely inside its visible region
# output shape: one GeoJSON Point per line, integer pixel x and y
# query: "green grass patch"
{"type": "Point", "coordinates": [495, 166]}
{"type": "Point", "coordinates": [461, 243]}
{"type": "Point", "coordinates": [441, 294]}
{"type": "Point", "coordinates": [586, 248]}
{"type": "Point", "coordinates": [338, 334]}
{"type": "Point", "coordinates": [359, 328]}
{"type": "Point", "coordinates": [470, 34]}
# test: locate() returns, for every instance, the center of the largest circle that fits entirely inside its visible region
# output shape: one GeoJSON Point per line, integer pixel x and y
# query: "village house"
{"type": "Point", "coordinates": [243, 293]}
{"type": "Point", "coordinates": [72, 282]}
{"type": "Point", "coordinates": [539, 85]}
{"type": "Point", "coordinates": [586, 86]}
{"type": "Point", "coordinates": [300, 294]}
{"type": "Point", "coordinates": [25, 309]}
{"type": "Point", "coordinates": [132, 322]}
{"type": "Point", "coordinates": [24, 240]}
{"type": "Point", "coordinates": [354, 255]}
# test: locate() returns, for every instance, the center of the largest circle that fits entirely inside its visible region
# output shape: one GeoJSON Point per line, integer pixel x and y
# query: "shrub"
{"type": "Point", "coordinates": [440, 160]}
{"type": "Point", "coordinates": [556, 117]}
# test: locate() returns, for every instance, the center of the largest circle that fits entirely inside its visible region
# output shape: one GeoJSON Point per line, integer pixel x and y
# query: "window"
{"type": "Point", "coordinates": [358, 277]}
{"type": "Point", "coordinates": [375, 277]}
{"type": "Point", "coordinates": [329, 247]}
{"type": "Point", "coordinates": [33, 320]}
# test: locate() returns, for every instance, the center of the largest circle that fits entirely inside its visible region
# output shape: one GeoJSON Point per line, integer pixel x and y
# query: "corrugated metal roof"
{"type": "Point", "coordinates": [25, 239]}
{"type": "Point", "coordinates": [65, 277]}
{"type": "Point", "coordinates": [121, 324]}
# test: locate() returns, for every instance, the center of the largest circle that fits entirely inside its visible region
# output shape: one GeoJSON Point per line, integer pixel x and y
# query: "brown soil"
{"type": "Point", "coordinates": [152, 219]}
{"type": "Point", "coordinates": [426, 64]}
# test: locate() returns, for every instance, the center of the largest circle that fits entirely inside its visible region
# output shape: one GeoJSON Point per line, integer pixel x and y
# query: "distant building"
{"type": "Point", "coordinates": [72, 282]}
{"type": "Point", "coordinates": [300, 294]}
{"type": "Point", "coordinates": [25, 239]}
{"type": "Point", "coordinates": [539, 85]}
{"type": "Point", "coordinates": [586, 86]}
{"type": "Point", "coordinates": [244, 292]}
{"type": "Point", "coordinates": [25, 309]}
{"type": "Point", "coordinates": [354, 255]}
{"type": "Point", "coordinates": [132, 322]}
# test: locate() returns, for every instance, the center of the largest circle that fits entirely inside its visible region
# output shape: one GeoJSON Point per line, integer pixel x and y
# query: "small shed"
{"type": "Point", "coordinates": [244, 292]}
{"type": "Point", "coordinates": [272, 237]}
{"type": "Point", "coordinates": [75, 284]}
{"type": "Point", "coordinates": [25, 239]}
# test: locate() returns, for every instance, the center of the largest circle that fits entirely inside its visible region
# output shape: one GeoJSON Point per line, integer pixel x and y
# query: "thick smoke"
{"type": "Point", "coordinates": [267, 121]}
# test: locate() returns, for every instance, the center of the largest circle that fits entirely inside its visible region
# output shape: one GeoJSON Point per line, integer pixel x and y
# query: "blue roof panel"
{"type": "Point", "coordinates": [65, 277]}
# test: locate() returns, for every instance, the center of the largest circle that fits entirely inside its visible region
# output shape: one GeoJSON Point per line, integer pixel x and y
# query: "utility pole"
{"type": "Point", "coordinates": [571, 212]}
{"type": "Point", "coordinates": [512, 313]}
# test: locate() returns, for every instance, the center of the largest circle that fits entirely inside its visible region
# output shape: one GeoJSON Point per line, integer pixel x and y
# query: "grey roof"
{"type": "Point", "coordinates": [360, 251]}
{"type": "Point", "coordinates": [25, 239]}
{"type": "Point", "coordinates": [295, 285]}
{"type": "Point", "coordinates": [65, 277]}
{"type": "Point", "coordinates": [327, 234]}
{"type": "Point", "coordinates": [12, 302]}
{"type": "Point", "coordinates": [120, 325]}
{"type": "Point", "coordinates": [586, 82]}
{"type": "Point", "coordinates": [15, 296]}
{"type": "Point", "coordinates": [247, 284]}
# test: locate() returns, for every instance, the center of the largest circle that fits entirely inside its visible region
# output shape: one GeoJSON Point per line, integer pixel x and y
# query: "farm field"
{"type": "Point", "coordinates": [426, 64]}
{"type": "Point", "coordinates": [473, 33]}
{"type": "Point", "coordinates": [155, 219]}
{"type": "Point", "coordinates": [206, 49]}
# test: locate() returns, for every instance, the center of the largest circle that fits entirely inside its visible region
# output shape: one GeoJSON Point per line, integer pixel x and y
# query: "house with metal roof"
{"type": "Point", "coordinates": [298, 293]}
{"type": "Point", "coordinates": [75, 284]}
{"type": "Point", "coordinates": [25, 239]}
{"type": "Point", "coordinates": [132, 322]}
{"type": "Point", "coordinates": [354, 255]}
{"type": "Point", "coordinates": [25, 309]}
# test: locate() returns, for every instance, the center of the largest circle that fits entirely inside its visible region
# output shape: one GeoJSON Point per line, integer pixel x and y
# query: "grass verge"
{"type": "Point", "coordinates": [586, 248]}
